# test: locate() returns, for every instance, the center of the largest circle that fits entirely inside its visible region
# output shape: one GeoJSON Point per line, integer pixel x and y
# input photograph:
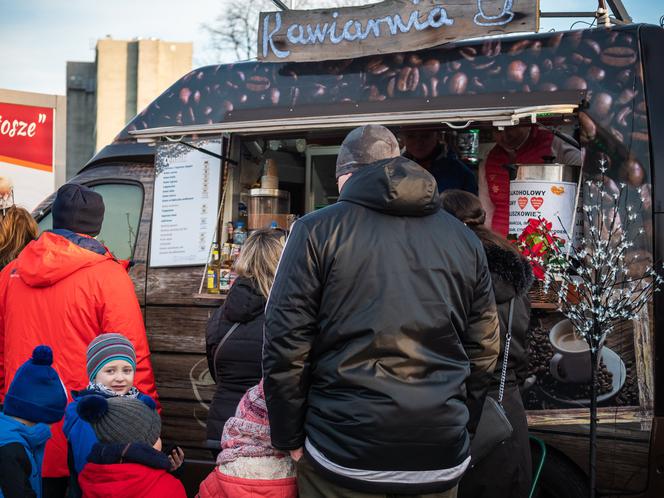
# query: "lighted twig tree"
{"type": "Point", "coordinates": [596, 286]}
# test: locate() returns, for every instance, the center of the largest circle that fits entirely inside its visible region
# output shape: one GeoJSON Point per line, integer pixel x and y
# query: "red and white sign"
{"type": "Point", "coordinates": [26, 151]}
{"type": "Point", "coordinates": [553, 201]}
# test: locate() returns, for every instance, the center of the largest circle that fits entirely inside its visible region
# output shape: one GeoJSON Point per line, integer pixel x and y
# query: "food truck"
{"type": "Point", "coordinates": [256, 142]}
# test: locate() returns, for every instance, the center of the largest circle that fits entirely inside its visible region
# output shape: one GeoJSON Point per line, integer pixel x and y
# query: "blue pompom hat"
{"type": "Point", "coordinates": [37, 394]}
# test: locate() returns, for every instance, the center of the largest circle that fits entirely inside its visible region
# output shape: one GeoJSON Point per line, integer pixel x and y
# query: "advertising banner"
{"type": "Point", "coordinates": [26, 151]}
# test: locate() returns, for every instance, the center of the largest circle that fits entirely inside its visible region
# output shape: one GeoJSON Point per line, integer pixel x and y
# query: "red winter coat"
{"type": "Point", "coordinates": [218, 485]}
{"type": "Point", "coordinates": [63, 295]}
{"type": "Point", "coordinates": [128, 480]}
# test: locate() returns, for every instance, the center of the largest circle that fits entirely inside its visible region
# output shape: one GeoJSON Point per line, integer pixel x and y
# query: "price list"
{"type": "Point", "coordinates": [185, 207]}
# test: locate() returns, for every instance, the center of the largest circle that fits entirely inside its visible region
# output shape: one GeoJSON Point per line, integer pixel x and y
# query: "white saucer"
{"type": "Point", "coordinates": [615, 365]}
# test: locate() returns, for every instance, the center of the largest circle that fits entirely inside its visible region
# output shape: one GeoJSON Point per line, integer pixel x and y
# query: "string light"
{"type": "Point", "coordinates": [605, 291]}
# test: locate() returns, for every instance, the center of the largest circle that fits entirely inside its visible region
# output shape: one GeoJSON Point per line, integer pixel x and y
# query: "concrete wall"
{"type": "Point", "coordinates": [160, 64]}
{"type": "Point", "coordinates": [114, 70]}
{"type": "Point", "coordinates": [81, 122]}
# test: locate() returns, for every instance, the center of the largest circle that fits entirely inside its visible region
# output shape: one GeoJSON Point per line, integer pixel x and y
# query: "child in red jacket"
{"type": "Point", "coordinates": [248, 466]}
{"type": "Point", "coordinates": [127, 461]}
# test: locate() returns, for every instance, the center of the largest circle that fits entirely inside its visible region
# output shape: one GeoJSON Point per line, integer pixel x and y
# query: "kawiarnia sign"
{"type": "Point", "coordinates": [385, 27]}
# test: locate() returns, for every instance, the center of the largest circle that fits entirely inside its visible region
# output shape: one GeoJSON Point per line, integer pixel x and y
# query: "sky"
{"type": "Point", "coordinates": [38, 37]}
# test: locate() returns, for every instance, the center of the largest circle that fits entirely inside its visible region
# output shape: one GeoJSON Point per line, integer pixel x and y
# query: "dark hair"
{"type": "Point", "coordinates": [468, 208]}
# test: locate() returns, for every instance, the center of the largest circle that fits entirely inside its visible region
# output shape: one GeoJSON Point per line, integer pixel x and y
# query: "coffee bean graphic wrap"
{"type": "Point", "coordinates": [604, 63]}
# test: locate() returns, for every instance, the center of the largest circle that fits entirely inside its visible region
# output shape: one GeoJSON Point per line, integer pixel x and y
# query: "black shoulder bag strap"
{"type": "Point", "coordinates": [506, 353]}
{"type": "Point", "coordinates": [221, 343]}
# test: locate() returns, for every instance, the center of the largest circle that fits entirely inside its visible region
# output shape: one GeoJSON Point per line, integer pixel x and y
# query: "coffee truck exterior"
{"type": "Point", "coordinates": [608, 79]}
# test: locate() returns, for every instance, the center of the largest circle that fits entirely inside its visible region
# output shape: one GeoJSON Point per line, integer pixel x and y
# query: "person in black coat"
{"type": "Point", "coordinates": [506, 471]}
{"type": "Point", "coordinates": [380, 334]}
{"type": "Point", "coordinates": [235, 363]}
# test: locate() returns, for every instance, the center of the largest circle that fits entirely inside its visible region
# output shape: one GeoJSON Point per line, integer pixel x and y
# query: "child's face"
{"type": "Point", "coordinates": [117, 375]}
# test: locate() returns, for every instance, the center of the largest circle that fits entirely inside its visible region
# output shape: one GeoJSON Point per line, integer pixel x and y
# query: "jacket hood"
{"type": "Point", "coordinates": [13, 431]}
{"type": "Point", "coordinates": [396, 186]}
{"type": "Point", "coordinates": [119, 479]}
{"type": "Point", "coordinates": [244, 302]}
{"type": "Point", "coordinates": [55, 256]}
{"type": "Point", "coordinates": [142, 466]}
{"type": "Point", "coordinates": [511, 274]}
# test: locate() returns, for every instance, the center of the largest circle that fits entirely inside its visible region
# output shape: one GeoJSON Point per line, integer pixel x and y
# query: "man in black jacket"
{"type": "Point", "coordinates": [381, 333]}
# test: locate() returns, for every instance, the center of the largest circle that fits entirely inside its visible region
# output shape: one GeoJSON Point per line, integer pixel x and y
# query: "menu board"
{"type": "Point", "coordinates": [186, 200]}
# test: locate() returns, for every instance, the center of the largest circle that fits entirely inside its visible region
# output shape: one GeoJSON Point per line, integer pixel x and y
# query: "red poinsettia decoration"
{"type": "Point", "coordinates": [540, 246]}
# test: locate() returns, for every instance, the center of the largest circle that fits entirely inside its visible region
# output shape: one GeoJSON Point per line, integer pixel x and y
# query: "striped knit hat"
{"type": "Point", "coordinates": [108, 347]}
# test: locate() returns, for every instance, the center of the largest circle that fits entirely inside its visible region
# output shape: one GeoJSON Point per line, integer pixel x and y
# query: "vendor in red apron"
{"type": "Point", "coordinates": [516, 145]}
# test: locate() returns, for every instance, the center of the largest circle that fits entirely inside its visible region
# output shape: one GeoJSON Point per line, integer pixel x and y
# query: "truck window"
{"type": "Point", "coordinates": [124, 203]}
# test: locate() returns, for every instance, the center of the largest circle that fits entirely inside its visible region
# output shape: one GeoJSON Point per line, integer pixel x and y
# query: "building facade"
{"type": "Point", "coordinates": [102, 96]}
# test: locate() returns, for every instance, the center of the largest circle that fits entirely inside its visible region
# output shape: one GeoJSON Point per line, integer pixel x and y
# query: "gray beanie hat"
{"type": "Point", "coordinates": [120, 419]}
{"type": "Point", "coordinates": [365, 145]}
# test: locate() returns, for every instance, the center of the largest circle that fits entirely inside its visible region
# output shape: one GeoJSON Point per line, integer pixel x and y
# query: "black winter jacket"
{"type": "Point", "coordinates": [380, 326]}
{"type": "Point", "coordinates": [238, 364]}
{"type": "Point", "coordinates": [512, 276]}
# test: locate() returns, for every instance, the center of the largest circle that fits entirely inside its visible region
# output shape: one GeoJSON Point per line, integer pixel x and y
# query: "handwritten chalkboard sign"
{"type": "Point", "coordinates": [386, 27]}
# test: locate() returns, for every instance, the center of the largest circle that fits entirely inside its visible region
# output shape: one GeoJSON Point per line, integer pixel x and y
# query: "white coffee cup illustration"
{"type": "Point", "coordinates": [571, 361]}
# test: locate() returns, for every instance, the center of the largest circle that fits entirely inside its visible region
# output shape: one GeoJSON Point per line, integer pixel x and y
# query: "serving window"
{"type": "Point", "coordinates": [273, 175]}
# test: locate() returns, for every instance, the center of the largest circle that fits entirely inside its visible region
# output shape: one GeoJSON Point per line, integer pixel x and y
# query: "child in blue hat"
{"type": "Point", "coordinates": [35, 399]}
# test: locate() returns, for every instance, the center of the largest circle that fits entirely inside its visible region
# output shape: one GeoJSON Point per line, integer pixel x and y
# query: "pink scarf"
{"type": "Point", "coordinates": [247, 434]}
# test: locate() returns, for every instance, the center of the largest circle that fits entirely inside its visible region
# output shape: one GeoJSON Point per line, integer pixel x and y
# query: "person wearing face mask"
{"type": "Point", "coordinates": [517, 145]}
{"type": "Point", "coordinates": [424, 148]}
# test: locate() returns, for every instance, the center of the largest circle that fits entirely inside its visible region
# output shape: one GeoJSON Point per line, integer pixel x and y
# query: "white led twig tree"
{"type": "Point", "coordinates": [596, 286]}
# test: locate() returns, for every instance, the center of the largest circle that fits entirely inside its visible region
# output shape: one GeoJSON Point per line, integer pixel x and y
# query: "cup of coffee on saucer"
{"type": "Point", "coordinates": [571, 361]}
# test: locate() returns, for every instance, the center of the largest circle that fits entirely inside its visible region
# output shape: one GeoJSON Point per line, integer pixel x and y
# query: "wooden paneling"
{"type": "Point", "coordinates": [177, 329]}
{"type": "Point", "coordinates": [183, 377]}
{"type": "Point", "coordinates": [578, 416]}
{"type": "Point", "coordinates": [183, 422]}
{"type": "Point", "coordinates": [175, 285]}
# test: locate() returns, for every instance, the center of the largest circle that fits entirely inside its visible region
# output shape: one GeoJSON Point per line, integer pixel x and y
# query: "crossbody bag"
{"type": "Point", "coordinates": [494, 427]}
